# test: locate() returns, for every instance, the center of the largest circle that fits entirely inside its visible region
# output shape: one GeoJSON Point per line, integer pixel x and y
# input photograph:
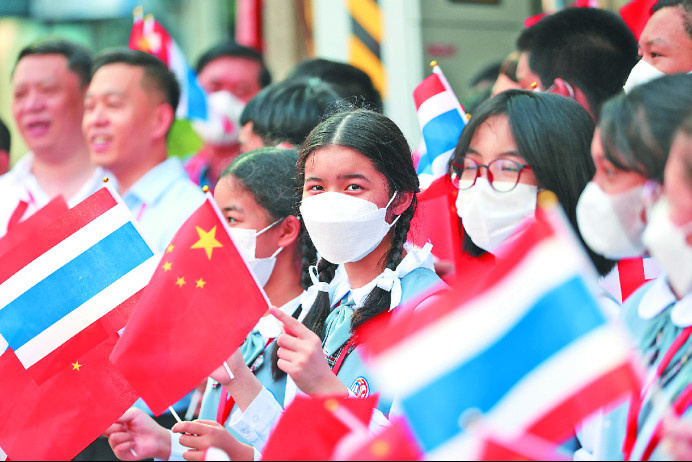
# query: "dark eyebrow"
{"type": "Point", "coordinates": [232, 208]}
{"type": "Point", "coordinates": [354, 175]}
{"type": "Point", "coordinates": [514, 153]}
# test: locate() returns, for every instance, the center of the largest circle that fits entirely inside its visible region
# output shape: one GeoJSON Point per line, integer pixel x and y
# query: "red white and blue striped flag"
{"type": "Point", "coordinates": [151, 37]}
{"type": "Point", "coordinates": [441, 118]}
{"type": "Point", "coordinates": [525, 345]}
{"type": "Point", "coordinates": [65, 292]}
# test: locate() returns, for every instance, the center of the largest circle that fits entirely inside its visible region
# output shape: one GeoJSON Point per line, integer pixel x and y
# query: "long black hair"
{"type": "Point", "coordinates": [553, 135]}
{"type": "Point", "coordinates": [380, 140]}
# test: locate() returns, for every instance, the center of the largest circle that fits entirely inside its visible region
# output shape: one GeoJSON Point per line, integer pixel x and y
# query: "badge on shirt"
{"type": "Point", "coordinates": [360, 387]}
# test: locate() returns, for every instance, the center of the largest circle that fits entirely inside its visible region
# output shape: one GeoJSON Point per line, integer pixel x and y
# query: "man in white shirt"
{"type": "Point", "coordinates": [49, 81]}
{"type": "Point", "coordinates": [128, 111]}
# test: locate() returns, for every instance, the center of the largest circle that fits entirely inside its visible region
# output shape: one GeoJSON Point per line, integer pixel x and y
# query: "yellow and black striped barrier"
{"type": "Point", "coordinates": [365, 41]}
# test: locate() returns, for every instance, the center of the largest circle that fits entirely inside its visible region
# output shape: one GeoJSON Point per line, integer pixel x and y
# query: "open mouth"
{"type": "Point", "coordinates": [100, 143]}
{"type": "Point", "coordinates": [37, 128]}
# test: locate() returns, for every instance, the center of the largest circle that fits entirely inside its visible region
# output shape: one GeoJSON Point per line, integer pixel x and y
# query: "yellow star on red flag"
{"type": "Point", "coordinates": [167, 266]}
{"type": "Point", "coordinates": [207, 241]}
{"type": "Point", "coordinates": [200, 283]}
{"type": "Point", "coordinates": [76, 366]}
{"type": "Point", "coordinates": [180, 282]}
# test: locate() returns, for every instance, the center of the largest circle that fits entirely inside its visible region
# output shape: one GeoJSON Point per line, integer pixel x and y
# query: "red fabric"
{"type": "Point", "coordinates": [394, 442]}
{"type": "Point", "coordinates": [436, 220]}
{"type": "Point", "coordinates": [23, 230]}
{"type": "Point", "coordinates": [196, 311]}
{"type": "Point", "coordinates": [309, 430]}
{"type": "Point", "coordinates": [636, 14]}
{"type": "Point", "coordinates": [631, 274]}
{"type": "Point", "coordinates": [57, 419]}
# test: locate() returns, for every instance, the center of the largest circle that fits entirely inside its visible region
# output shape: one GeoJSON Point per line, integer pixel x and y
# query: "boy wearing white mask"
{"type": "Point", "coordinates": [231, 75]}
{"type": "Point", "coordinates": [665, 45]}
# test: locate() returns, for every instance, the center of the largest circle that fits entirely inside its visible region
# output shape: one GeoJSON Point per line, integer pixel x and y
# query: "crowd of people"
{"type": "Point", "coordinates": [319, 189]}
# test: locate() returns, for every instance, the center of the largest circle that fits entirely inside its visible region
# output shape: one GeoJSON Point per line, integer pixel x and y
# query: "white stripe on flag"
{"type": "Point", "coordinates": [3, 456]}
{"type": "Point", "coordinates": [558, 378]}
{"type": "Point", "coordinates": [44, 343]}
{"type": "Point", "coordinates": [434, 106]}
{"type": "Point", "coordinates": [58, 256]}
{"type": "Point", "coordinates": [485, 319]}
{"type": "Point", "coordinates": [3, 344]}
{"type": "Point", "coordinates": [533, 397]}
{"type": "Point", "coordinates": [440, 163]}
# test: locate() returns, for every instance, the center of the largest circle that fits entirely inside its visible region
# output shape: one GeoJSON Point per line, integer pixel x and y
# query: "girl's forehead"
{"type": "Point", "coordinates": [337, 157]}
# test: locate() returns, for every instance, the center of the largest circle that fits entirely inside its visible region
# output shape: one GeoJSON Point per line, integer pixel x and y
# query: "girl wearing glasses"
{"type": "Point", "coordinates": [516, 144]}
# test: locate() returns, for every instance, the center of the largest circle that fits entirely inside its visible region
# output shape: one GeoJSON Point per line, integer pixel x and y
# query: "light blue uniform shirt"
{"type": "Point", "coordinates": [655, 318]}
{"type": "Point", "coordinates": [162, 200]}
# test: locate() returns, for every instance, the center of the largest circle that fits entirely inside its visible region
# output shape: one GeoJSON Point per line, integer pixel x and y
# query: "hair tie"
{"type": "Point", "coordinates": [320, 286]}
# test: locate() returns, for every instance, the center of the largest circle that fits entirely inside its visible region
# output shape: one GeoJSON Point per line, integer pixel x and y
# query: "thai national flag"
{"type": "Point", "coordinates": [67, 287]}
{"type": "Point", "coordinates": [441, 118]}
{"type": "Point", "coordinates": [525, 346]}
{"type": "Point", "coordinates": [86, 265]}
{"type": "Point", "coordinates": [150, 36]}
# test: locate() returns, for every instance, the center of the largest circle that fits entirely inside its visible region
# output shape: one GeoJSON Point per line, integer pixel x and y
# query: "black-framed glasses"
{"type": "Point", "coordinates": [503, 174]}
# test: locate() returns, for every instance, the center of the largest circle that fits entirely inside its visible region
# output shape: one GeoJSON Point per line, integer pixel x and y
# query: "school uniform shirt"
{"type": "Point", "coordinates": [162, 200]}
{"type": "Point", "coordinates": [655, 318]}
{"type": "Point", "coordinates": [255, 356]}
{"type": "Point", "coordinates": [20, 184]}
{"type": "Point", "coordinates": [416, 278]}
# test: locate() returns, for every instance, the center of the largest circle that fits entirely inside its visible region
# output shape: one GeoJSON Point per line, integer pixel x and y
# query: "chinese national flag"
{"type": "Point", "coordinates": [313, 428]}
{"type": "Point", "coordinates": [394, 442]}
{"type": "Point", "coordinates": [196, 311]}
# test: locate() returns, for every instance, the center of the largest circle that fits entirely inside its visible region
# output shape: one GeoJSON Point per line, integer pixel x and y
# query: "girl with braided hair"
{"type": "Point", "coordinates": [359, 191]}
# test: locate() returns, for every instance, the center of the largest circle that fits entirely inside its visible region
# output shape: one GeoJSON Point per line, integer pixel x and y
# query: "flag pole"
{"type": "Point", "coordinates": [175, 414]}
{"type": "Point", "coordinates": [228, 369]}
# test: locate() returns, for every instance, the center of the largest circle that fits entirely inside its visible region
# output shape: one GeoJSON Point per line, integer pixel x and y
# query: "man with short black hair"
{"type": "Point", "coordinates": [49, 80]}
{"type": "Point", "coordinates": [666, 41]}
{"type": "Point", "coordinates": [582, 53]}
{"type": "Point", "coordinates": [128, 112]}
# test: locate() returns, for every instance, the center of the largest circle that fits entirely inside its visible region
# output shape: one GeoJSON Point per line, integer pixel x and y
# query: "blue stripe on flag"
{"type": "Point", "coordinates": [441, 135]}
{"type": "Point", "coordinates": [196, 98]}
{"type": "Point", "coordinates": [560, 317]}
{"type": "Point", "coordinates": [72, 285]}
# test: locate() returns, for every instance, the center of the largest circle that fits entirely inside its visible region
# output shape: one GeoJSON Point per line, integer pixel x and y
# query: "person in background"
{"type": "Point", "coordinates": [5, 145]}
{"type": "Point", "coordinates": [507, 78]}
{"type": "Point", "coordinates": [351, 83]}
{"type": "Point", "coordinates": [677, 440]}
{"type": "Point", "coordinates": [49, 81]}
{"type": "Point", "coordinates": [581, 53]}
{"type": "Point", "coordinates": [284, 113]}
{"type": "Point", "coordinates": [616, 212]}
{"type": "Point", "coordinates": [665, 45]}
{"type": "Point", "coordinates": [128, 111]}
{"type": "Point", "coordinates": [231, 75]}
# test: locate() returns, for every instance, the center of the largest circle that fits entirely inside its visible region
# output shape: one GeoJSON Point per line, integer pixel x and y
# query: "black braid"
{"type": "Point", "coordinates": [308, 255]}
{"type": "Point", "coordinates": [378, 300]}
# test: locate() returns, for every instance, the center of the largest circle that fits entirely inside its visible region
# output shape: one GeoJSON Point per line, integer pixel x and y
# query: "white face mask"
{"type": "Point", "coordinates": [668, 245]}
{"type": "Point", "coordinates": [222, 126]}
{"type": "Point", "coordinates": [491, 217]}
{"type": "Point", "coordinates": [611, 224]}
{"type": "Point", "coordinates": [344, 228]}
{"type": "Point", "coordinates": [246, 241]}
{"type": "Point", "coordinates": [640, 74]}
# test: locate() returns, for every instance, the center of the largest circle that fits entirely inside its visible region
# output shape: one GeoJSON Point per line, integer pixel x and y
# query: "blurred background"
{"type": "Point", "coordinates": [393, 40]}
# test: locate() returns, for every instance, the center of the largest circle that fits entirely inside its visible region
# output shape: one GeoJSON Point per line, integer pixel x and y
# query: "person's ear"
{"type": "Point", "coordinates": [566, 89]}
{"type": "Point", "coordinates": [401, 202]}
{"type": "Point", "coordinates": [289, 231]}
{"type": "Point", "coordinates": [162, 119]}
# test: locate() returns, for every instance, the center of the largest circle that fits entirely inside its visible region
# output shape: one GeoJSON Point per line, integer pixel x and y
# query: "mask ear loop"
{"type": "Point", "coordinates": [269, 227]}
{"type": "Point", "coordinates": [390, 203]}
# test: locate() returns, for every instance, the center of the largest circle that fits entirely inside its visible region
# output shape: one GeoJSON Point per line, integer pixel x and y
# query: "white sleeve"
{"type": "Point", "coordinates": [177, 449]}
{"type": "Point", "coordinates": [255, 424]}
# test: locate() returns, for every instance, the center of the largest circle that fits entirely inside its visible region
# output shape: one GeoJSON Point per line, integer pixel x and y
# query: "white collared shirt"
{"type": "Point", "coordinates": [20, 184]}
